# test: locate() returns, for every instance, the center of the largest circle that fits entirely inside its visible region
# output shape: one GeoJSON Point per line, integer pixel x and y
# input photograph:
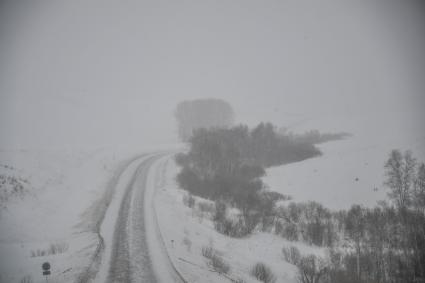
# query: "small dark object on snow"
{"type": "Point", "coordinates": [46, 266]}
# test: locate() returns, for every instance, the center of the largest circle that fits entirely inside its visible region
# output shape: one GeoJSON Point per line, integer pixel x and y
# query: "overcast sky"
{"type": "Point", "coordinates": [102, 73]}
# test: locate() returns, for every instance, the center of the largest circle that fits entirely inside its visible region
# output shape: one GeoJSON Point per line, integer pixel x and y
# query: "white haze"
{"type": "Point", "coordinates": [109, 73]}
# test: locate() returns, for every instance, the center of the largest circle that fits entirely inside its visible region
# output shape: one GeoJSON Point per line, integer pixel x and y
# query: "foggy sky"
{"type": "Point", "coordinates": [107, 73]}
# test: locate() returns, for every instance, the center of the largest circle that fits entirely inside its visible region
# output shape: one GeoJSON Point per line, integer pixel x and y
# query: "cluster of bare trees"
{"type": "Point", "coordinates": [406, 180]}
{"type": "Point", "coordinates": [381, 244]}
{"type": "Point", "coordinates": [309, 222]}
{"type": "Point", "coordinates": [385, 247]}
{"type": "Point", "coordinates": [374, 245]}
{"type": "Point", "coordinates": [227, 163]}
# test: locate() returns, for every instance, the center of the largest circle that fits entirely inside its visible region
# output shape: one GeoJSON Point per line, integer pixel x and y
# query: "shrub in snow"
{"type": "Point", "coordinates": [56, 248]}
{"type": "Point", "coordinates": [291, 255]}
{"type": "Point", "coordinates": [263, 273]}
{"type": "Point", "coordinates": [215, 260]}
{"type": "Point", "coordinates": [207, 252]}
{"type": "Point", "coordinates": [206, 207]}
{"type": "Point", "coordinates": [287, 230]}
{"type": "Point", "coordinates": [220, 211]}
{"type": "Point", "coordinates": [11, 187]}
{"type": "Point", "coordinates": [187, 243]}
{"type": "Point", "coordinates": [219, 265]}
{"type": "Point", "coordinates": [189, 200]}
{"type": "Point", "coordinates": [231, 228]}
{"type": "Point", "coordinates": [27, 279]}
{"type": "Point", "coordinates": [38, 252]}
{"type": "Point", "coordinates": [308, 222]}
{"type": "Point", "coordinates": [236, 225]}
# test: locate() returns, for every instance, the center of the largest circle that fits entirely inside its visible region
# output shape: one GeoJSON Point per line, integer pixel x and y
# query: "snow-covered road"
{"type": "Point", "coordinates": [134, 250]}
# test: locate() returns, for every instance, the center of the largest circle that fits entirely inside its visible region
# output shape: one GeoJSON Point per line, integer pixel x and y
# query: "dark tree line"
{"type": "Point", "coordinates": [270, 148]}
{"type": "Point", "coordinates": [226, 164]}
{"type": "Point", "coordinates": [313, 136]}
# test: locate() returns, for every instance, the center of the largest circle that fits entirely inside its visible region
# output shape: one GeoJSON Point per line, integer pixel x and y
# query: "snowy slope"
{"type": "Point", "coordinates": [185, 233]}
{"type": "Point", "coordinates": [62, 185]}
{"type": "Point", "coordinates": [60, 206]}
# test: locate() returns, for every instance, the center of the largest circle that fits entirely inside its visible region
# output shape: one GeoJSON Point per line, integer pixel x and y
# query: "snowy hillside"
{"type": "Point", "coordinates": [45, 222]}
{"type": "Point", "coordinates": [52, 214]}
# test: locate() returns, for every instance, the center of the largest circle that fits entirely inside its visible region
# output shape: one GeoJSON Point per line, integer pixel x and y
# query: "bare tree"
{"type": "Point", "coordinates": [400, 172]}
{"type": "Point", "coordinates": [356, 229]}
{"type": "Point", "coordinates": [312, 269]}
{"type": "Point", "coordinates": [419, 191]}
{"type": "Point", "coordinates": [263, 273]}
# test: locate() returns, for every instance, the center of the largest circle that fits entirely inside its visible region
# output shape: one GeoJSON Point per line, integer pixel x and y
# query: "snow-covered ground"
{"type": "Point", "coordinates": [344, 175]}
{"type": "Point", "coordinates": [111, 216]}
{"type": "Point", "coordinates": [63, 194]}
{"type": "Point", "coordinates": [61, 186]}
{"type": "Point", "coordinates": [186, 232]}
{"type": "Point", "coordinates": [350, 171]}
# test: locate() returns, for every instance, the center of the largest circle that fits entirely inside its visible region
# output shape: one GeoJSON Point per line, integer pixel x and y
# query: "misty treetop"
{"type": "Point", "coordinates": [202, 113]}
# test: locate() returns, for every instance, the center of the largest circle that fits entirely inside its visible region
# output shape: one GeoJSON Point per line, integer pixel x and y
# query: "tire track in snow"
{"type": "Point", "coordinates": [99, 214]}
{"type": "Point", "coordinates": [164, 266]}
{"type": "Point", "coordinates": [137, 252]}
{"type": "Point", "coordinates": [121, 266]}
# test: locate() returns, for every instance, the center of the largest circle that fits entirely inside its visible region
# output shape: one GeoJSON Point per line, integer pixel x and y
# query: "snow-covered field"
{"type": "Point", "coordinates": [350, 171]}
{"type": "Point", "coordinates": [54, 217]}
{"type": "Point", "coordinates": [345, 174]}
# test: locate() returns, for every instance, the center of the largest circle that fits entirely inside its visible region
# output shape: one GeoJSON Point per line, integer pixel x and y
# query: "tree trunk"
{"type": "Point", "coordinates": [358, 261]}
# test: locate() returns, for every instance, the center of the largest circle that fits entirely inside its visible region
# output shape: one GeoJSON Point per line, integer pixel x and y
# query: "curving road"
{"type": "Point", "coordinates": [135, 251]}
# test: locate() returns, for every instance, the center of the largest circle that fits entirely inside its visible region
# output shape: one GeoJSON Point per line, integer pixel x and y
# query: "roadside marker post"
{"type": "Point", "coordinates": [46, 270]}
